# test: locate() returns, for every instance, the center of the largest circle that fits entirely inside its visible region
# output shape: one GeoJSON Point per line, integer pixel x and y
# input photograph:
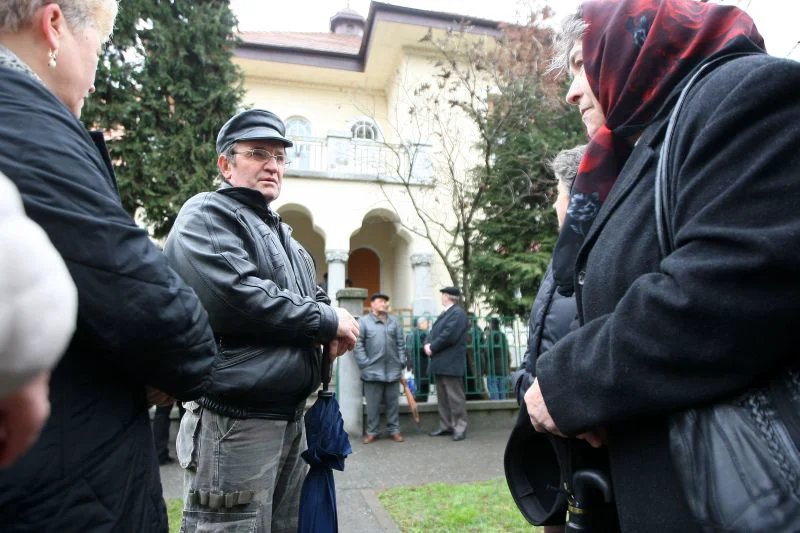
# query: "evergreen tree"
{"type": "Point", "coordinates": [518, 229]}
{"type": "Point", "coordinates": [165, 85]}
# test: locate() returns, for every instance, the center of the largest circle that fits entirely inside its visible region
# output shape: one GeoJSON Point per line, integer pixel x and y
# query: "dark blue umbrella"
{"type": "Point", "coordinates": [328, 447]}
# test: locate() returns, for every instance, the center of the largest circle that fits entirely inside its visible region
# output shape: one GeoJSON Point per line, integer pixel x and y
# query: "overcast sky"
{"type": "Point", "coordinates": [776, 19]}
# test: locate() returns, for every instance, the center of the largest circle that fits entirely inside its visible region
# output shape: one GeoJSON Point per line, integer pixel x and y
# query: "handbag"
{"type": "Point", "coordinates": [737, 460]}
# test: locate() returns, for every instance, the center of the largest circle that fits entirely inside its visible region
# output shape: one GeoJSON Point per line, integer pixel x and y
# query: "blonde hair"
{"type": "Point", "coordinates": [79, 14]}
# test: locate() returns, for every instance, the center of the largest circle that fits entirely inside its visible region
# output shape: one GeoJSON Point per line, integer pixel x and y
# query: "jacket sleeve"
{"type": "Point", "coordinates": [38, 300]}
{"type": "Point", "coordinates": [722, 309]}
{"type": "Point", "coordinates": [360, 351]}
{"type": "Point", "coordinates": [208, 247]}
{"type": "Point", "coordinates": [450, 332]}
{"type": "Point", "coordinates": [322, 297]}
{"type": "Point", "coordinates": [132, 308]}
{"type": "Point", "coordinates": [401, 344]}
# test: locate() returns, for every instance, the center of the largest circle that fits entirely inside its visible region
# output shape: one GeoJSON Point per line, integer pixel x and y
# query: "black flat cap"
{"type": "Point", "coordinates": [452, 291]}
{"type": "Point", "coordinates": [253, 124]}
{"type": "Point", "coordinates": [378, 295]}
{"type": "Point", "coordinates": [540, 467]}
{"type": "Point", "coordinates": [535, 468]}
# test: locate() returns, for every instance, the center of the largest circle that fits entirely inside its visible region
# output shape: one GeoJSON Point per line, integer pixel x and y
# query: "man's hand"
{"type": "Point", "coordinates": [157, 398]}
{"type": "Point", "coordinates": [537, 411]}
{"type": "Point", "coordinates": [428, 350]}
{"type": "Point", "coordinates": [347, 331]}
{"type": "Point", "coordinates": [22, 416]}
{"type": "Point", "coordinates": [336, 348]}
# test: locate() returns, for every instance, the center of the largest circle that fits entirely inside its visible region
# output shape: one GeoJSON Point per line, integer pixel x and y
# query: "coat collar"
{"type": "Point", "coordinates": [250, 198]}
{"type": "Point", "coordinates": [637, 166]}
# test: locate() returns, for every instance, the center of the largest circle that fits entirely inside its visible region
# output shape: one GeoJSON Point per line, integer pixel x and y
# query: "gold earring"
{"type": "Point", "coordinates": [53, 56]}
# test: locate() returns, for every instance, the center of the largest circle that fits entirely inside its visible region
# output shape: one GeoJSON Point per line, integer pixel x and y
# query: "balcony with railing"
{"type": "Point", "coordinates": [340, 156]}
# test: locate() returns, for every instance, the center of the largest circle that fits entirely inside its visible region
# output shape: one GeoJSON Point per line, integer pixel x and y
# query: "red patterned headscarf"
{"type": "Point", "coordinates": [636, 53]}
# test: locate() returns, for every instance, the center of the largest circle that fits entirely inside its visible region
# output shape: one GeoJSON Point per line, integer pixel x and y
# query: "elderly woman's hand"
{"type": "Point", "coordinates": [537, 411]}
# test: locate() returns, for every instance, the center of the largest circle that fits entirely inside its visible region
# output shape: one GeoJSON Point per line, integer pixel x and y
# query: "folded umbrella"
{"type": "Point", "coordinates": [412, 403]}
{"type": "Point", "coordinates": [328, 447]}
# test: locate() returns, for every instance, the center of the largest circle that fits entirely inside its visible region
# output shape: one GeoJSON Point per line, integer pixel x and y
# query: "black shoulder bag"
{"type": "Point", "coordinates": [737, 460]}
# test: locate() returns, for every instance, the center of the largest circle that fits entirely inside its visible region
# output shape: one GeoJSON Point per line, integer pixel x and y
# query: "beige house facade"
{"type": "Point", "coordinates": [344, 96]}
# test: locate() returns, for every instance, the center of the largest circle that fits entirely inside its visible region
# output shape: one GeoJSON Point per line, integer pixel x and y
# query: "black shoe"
{"type": "Point", "coordinates": [459, 436]}
{"type": "Point", "coordinates": [165, 460]}
{"type": "Point", "coordinates": [440, 433]}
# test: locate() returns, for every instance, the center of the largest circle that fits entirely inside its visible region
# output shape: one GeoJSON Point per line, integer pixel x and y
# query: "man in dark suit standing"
{"type": "Point", "coordinates": [447, 348]}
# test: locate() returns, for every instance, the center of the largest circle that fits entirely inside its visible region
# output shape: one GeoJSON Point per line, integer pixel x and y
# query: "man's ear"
{"type": "Point", "coordinates": [224, 166]}
{"type": "Point", "coordinates": [50, 20]}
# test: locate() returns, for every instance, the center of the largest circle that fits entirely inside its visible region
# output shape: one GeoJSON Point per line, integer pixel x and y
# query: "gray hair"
{"type": "Point", "coordinates": [572, 29]}
{"type": "Point", "coordinates": [79, 14]}
{"type": "Point", "coordinates": [565, 165]}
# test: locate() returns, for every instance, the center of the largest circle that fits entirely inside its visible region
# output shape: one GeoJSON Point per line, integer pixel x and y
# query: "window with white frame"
{"type": "Point", "coordinates": [298, 129]}
{"type": "Point", "coordinates": [365, 129]}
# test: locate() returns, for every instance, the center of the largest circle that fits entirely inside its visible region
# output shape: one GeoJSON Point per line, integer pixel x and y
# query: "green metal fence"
{"type": "Point", "coordinates": [495, 347]}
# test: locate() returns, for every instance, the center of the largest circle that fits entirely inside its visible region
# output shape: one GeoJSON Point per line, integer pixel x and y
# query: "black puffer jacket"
{"type": "Point", "coordinates": [94, 467]}
{"type": "Point", "coordinates": [257, 284]}
{"type": "Point", "coordinates": [552, 316]}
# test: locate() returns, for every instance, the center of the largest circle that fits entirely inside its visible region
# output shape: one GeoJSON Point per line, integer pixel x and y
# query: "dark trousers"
{"type": "Point", "coordinates": [161, 424]}
{"type": "Point", "coordinates": [388, 393]}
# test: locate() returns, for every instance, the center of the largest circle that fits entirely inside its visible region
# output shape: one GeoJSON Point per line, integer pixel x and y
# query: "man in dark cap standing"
{"type": "Point", "coordinates": [241, 442]}
{"type": "Point", "coordinates": [381, 355]}
{"type": "Point", "coordinates": [447, 348]}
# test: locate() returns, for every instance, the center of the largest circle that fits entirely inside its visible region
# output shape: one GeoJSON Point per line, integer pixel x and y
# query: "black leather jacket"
{"type": "Point", "coordinates": [257, 284]}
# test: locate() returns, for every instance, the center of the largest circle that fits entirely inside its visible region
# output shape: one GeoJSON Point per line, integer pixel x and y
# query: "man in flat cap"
{"type": "Point", "coordinates": [241, 442]}
{"type": "Point", "coordinates": [381, 355]}
{"type": "Point", "coordinates": [447, 348]}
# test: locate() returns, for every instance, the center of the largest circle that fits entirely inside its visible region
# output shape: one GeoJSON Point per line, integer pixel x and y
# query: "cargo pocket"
{"type": "Point", "coordinates": [218, 522]}
{"type": "Point", "coordinates": [186, 443]}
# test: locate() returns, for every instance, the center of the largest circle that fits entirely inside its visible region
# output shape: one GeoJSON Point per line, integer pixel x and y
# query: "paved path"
{"type": "Point", "coordinates": [419, 460]}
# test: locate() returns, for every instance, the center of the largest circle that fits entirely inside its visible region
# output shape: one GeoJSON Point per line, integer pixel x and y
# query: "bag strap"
{"type": "Point", "coordinates": [663, 200]}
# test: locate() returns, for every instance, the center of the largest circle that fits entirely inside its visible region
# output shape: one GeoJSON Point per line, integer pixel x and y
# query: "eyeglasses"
{"type": "Point", "coordinates": [262, 156]}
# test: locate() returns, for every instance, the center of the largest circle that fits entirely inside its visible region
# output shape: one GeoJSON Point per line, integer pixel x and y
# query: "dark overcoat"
{"type": "Point", "coordinates": [448, 340]}
{"type": "Point", "coordinates": [94, 466]}
{"type": "Point", "coordinates": [660, 335]}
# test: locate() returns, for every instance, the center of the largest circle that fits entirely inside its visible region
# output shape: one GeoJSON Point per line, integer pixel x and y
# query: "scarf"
{"type": "Point", "coordinates": [637, 54]}
{"type": "Point", "coordinates": [9, 59]}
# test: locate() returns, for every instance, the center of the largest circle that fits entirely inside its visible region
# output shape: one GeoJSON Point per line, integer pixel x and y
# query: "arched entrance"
{"type": "Point", "coordinates": [364, 270]}
{"type": "Point", "coordinates": [307, 233]}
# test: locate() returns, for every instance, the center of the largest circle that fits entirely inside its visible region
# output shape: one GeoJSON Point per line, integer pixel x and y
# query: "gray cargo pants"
{"type": "Point", "coordinates": [241, 475]}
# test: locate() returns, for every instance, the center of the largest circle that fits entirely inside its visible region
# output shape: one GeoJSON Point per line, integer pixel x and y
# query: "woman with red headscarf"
{"type": "Point", "coordinates": [663, 333]}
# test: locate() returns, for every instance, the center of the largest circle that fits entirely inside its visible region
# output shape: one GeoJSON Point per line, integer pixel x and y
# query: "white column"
{"type": "Point", "coordinates": [348, 375]}
{"type": "Point", "coordinates": [337, 261]}
{"type": "Point", "coordinates": [423, 285]}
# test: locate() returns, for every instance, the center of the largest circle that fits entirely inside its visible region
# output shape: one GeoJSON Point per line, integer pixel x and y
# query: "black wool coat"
{"type": "Point", "coordinates": [94, 466]}
{"type": "Point", "coordinates": [660, 335]}
{"type": "Point", "coordinates": [448, 339]}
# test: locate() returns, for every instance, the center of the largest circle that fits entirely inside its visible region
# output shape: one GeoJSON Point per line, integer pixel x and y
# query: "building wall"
{"type": "Point", "coordinates": [338, 206]}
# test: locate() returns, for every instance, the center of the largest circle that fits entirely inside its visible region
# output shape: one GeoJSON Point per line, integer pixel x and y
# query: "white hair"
{"type": "Point", "coordinates": [572, 30]}
{"type": "Point", "coordinates": [565, 165]}
{"type": "Point", "coordinates": [79, 14]}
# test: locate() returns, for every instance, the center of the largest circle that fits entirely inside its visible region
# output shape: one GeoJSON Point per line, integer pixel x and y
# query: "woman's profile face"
{"type": "Point", "coordinates": [581, 95]}
{"type": "Point", "coordinates": [73, 77]}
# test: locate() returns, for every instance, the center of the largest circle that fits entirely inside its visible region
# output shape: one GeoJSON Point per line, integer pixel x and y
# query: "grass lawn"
{"type": "Point", "coordinates": [485, 507]}
{"type": "Point", "coordinates": [174, 509]}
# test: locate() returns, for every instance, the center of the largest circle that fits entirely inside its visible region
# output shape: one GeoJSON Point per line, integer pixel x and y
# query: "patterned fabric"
{"type": "Point", "coordinates": [9, 59]}
{"type": "Point", "coordinates": [636, 53]}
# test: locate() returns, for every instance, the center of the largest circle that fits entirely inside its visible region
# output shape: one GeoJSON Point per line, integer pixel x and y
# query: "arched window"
{"type": "Point", "coordinates": [366, 130]}
{"type": "Point", "coordinates": [298, 129]}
